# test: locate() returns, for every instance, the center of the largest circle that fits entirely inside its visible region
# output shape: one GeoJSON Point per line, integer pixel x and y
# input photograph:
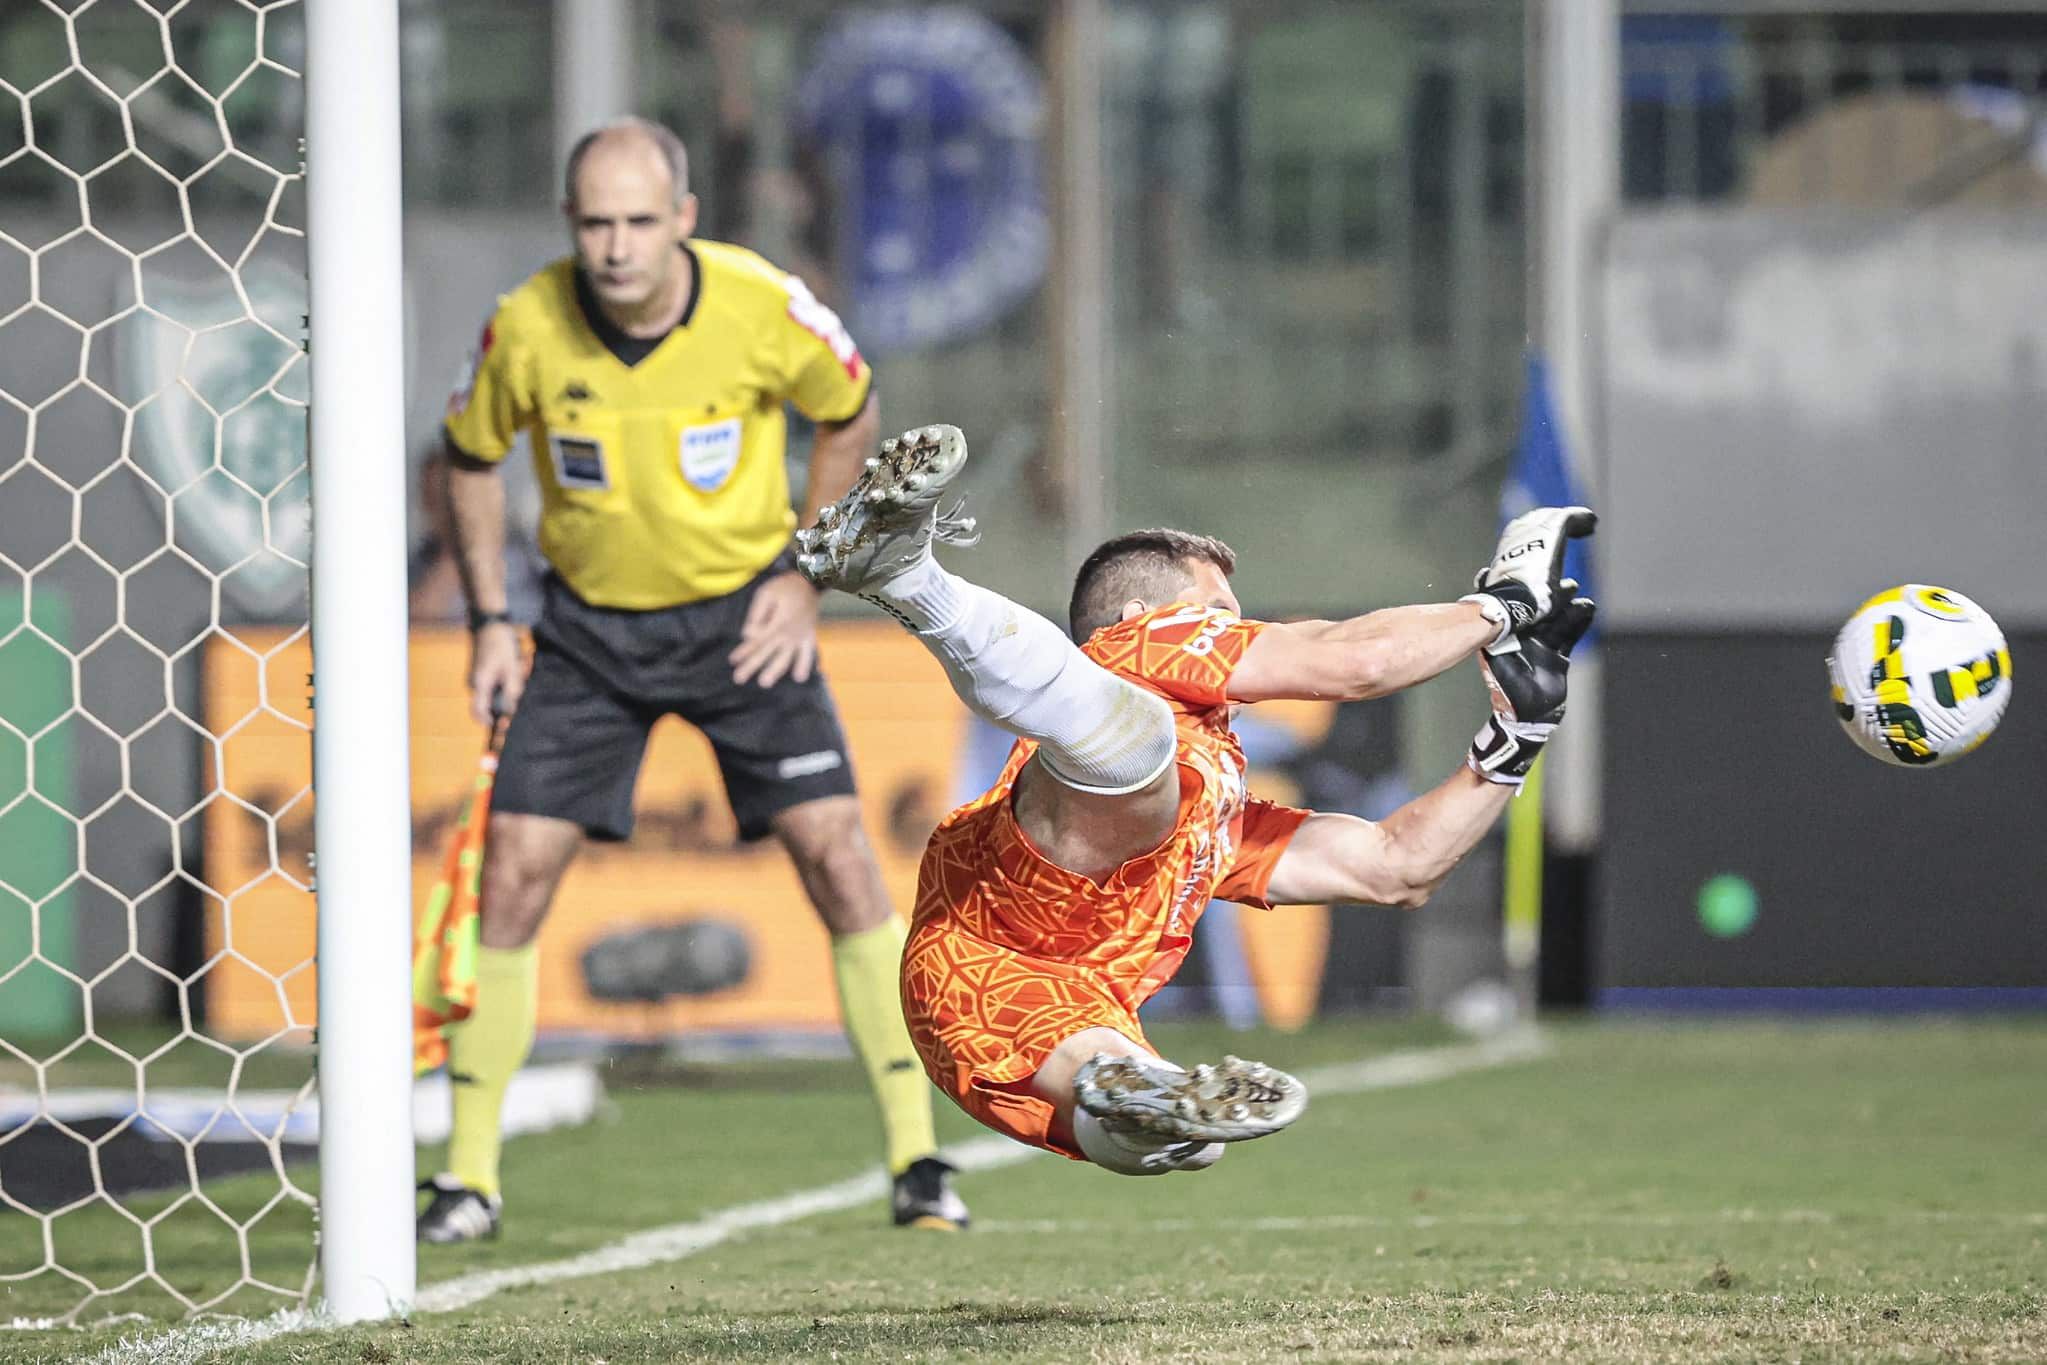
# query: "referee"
{"type": "Point", "coordinates": [648, 371]}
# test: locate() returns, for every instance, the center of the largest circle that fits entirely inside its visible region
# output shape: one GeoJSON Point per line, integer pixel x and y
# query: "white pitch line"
{"type": "Point", "coordinates": [658, 1246]}
{"type": "Point", "coordinates": [184, 1345]}
{"type": "Point", "coordinates": [1419, 1067]}
{"type": "Point", "coordinates": [677, 1241]}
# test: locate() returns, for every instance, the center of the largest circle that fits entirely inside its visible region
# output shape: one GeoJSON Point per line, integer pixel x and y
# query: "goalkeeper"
{"type": "Point", "coordinates": [1050, 909]}
{"type": "Point", "coordinates": [648, 370]}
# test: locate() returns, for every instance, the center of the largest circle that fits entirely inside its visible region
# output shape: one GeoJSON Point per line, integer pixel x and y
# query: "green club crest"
{"type": "Point", "coordinates": [219, 381]}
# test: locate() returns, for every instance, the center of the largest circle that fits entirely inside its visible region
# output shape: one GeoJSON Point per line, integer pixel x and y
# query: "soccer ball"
{"type": "Point", "coordinates": [1921, 675]}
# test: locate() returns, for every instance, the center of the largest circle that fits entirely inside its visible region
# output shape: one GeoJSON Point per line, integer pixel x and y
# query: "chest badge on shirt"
{"type": "Point", "coordinates": [710, 453]}
{"type": "Point", "coordinates": [578, 462]}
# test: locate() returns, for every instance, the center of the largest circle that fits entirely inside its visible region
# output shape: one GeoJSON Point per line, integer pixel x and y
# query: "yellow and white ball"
{"type": "Point", "coordinates": [1921, 675]}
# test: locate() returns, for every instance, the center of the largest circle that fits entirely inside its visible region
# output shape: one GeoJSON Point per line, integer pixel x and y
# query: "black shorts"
{"type": "Point", "coordinates": [602, 677]}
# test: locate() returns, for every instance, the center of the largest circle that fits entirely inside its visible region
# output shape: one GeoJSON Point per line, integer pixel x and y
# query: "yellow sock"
{"type": "Point", "coordinates": [869, 967]}
{"type": "Point", "coordinates": [484, 1052]}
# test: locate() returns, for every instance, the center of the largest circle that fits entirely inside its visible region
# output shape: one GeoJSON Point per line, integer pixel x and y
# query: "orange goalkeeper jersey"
{"type": "Point", "coordinates": [982, 877]}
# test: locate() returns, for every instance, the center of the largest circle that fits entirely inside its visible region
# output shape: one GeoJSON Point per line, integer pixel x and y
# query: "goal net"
{"type": "Point", "coordinates": [154, 544]}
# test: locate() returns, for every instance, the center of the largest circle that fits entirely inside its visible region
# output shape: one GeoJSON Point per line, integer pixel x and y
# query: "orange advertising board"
{"type": "Point", "coordinates": [903, 725]}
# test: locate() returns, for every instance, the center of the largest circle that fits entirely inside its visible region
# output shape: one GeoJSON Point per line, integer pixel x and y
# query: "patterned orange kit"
{"type": "Point", "coordinates": [1009, 954]}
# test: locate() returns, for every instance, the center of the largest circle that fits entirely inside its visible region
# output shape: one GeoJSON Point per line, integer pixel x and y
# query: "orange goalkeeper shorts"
{"type": "Point", "coordinates": [984, 1018]}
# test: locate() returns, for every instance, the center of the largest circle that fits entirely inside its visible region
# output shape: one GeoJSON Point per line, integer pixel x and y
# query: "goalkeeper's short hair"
{"type": "Point", "coordinates": [1150, 565]}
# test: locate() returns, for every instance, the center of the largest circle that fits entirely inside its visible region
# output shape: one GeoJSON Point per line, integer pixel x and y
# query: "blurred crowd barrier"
{"type": "Point", "coordinates": [1739, 104]}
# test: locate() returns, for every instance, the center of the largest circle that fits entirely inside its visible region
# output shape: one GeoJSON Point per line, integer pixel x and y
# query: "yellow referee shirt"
{"type": "Point", "coordinates": [663, 480]}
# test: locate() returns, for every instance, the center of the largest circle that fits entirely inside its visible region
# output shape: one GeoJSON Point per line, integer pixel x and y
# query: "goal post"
{"type": "Point", "coordinates": [200, 283]}
{"type": "Point", "coordinates": [361, 782]}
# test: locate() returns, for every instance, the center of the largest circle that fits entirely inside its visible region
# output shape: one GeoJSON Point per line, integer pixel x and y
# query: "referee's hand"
{"type": "Point", "coordinates": [779, 639]}
{"type": "Point", "coordinates": [497, 669]}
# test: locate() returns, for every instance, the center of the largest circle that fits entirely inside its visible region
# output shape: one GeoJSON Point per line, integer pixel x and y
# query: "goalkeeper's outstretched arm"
{"type": "Point", "coordinates": [1359, 658]}
{"type": "Point", "coordinates": [1398, 861]}
{"type": "Point", "coordinates": [1384, 651]}
{"type": "Point", "coordinates": [1402, 859]}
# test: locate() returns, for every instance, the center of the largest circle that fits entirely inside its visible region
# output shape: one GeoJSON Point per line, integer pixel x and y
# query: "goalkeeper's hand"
{"type": "Point", "coordinates": [1527, 688]}
{"type": "Point", "coordinates": [1524, 583]}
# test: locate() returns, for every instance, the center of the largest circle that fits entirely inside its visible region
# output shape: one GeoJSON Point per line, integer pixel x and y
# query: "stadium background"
{"type": "Point", "coordinates": [1272, 284]}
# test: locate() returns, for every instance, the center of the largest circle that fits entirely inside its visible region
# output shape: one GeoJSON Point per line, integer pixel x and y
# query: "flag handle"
{"type": "Point", "coordinates": [1521, 891]}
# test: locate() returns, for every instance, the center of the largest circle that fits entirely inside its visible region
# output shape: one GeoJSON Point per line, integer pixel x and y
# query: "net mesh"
{"type": "Point", "coordinates": [154, 726]}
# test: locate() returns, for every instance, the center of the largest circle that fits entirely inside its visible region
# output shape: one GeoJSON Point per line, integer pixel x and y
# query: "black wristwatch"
{"type": "Point", "coordinates": [479, 619]}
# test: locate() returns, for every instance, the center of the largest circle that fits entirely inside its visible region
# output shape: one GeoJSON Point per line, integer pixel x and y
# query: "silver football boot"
{"type": "Point", "coordinates": [1230, 1102]}
{"type": "Point", "coordinates": [888, 519]}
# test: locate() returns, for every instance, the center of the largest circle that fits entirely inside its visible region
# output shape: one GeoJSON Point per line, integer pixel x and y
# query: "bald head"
{"type": "Point", "coordinates": [628, 206]}
{"type": "Point", "coordinates": [636, 144]}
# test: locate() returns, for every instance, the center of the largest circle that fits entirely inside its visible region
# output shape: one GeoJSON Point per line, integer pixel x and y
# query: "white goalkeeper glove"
{"type": "Point", "coordinates": [1528, 687]}
{"type": "Point", "coordinates": [1524, 583]}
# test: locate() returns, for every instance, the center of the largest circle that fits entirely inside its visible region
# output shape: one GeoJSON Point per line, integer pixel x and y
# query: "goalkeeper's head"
{"type": "Point", "coordinates": [1139, 570]}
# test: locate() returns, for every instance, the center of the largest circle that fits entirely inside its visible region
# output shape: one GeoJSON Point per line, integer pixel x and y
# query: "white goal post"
{"type": "Point", "coordinates": [202, 394]}
{"type": "Point", "coordinates": [362, 787]}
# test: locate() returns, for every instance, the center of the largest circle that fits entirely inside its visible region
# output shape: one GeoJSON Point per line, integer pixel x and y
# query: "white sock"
{"type": "Point", "coordinates": [1009, 664]}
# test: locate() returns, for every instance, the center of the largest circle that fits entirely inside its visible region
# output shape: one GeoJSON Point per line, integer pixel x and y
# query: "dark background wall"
{"type": "Point", "coordinates": [1865, 874]}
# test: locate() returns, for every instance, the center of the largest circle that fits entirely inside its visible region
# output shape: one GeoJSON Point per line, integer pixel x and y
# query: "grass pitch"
{"type": "Point", "coordinates": [1735, 1191]}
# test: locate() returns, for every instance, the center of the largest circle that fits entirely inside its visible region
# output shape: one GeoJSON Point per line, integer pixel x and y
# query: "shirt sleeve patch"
{"type": "Point", "coordinates": [807, 312]}
{"type": "Point", "coordinates": [465, 382]}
